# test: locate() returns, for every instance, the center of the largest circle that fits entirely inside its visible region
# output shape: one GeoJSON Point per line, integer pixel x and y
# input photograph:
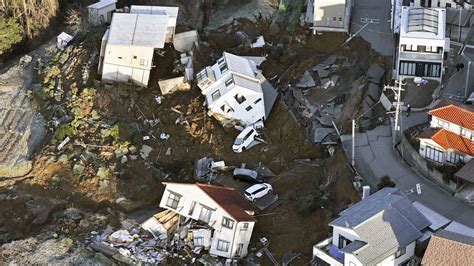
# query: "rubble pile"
{"type": "Point", "coordinates": [163, 237]}
{"type": "Point", "coordinates": [318, 115]}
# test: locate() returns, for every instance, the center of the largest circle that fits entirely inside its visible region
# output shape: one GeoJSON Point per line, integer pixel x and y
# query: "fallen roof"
{"type": "Point", "coordinates": [449, 248]}
{"type": "Point", "coordinates": [466, 172]}
{"type": "Point", "coordinates": [456, 113]}
{"type": "Point", "coordinates": [240, 65]}
{"type": "Point", "coordinates": [230, 200]}
{"type": "Point", "coordinates": [102, 4]}
{"type": "Point", "coordinates": [138, 30]}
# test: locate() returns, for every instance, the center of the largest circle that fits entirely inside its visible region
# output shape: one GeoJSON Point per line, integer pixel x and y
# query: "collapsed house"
{"type": "Point", "coordinates": [236, 91]}
{"type": "Point", "coordinates": [127, 48]}
{"type": "Point", "coordinates": [222, 220]}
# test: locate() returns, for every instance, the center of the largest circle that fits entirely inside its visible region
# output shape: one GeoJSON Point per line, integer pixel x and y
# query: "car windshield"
{"type": "Point", "coordinates": [238, 141]}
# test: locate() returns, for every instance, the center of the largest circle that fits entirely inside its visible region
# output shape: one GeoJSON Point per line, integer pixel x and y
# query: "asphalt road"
{"type": "Point", "coordinates": [375, 158]}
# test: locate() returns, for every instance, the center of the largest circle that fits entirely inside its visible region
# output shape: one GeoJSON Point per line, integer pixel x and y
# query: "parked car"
{"type": "Point", "coordinates": [248, 175]}
{"type": "Point", "coordinates": [257, 191]}
{"type": "Point", "coordinates": [244, 139]}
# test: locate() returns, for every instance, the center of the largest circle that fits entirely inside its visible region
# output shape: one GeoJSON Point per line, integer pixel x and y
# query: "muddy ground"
{"type": "Point", "coordinates": [36, 203]}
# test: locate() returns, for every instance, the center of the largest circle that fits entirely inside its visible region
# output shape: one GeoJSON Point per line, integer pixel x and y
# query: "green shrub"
{"type": "Point", "coordinates": [11, 33]}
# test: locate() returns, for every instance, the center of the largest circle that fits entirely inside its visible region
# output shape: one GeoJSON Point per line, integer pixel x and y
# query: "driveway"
{"type": "Point", "coordinates": [375, 158]}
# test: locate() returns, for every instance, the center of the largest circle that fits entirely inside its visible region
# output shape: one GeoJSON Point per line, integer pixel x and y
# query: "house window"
{"type": "Point", "coordinates": [222, 65]}
{"type": "Point", "coordinates": [400, 252]}
{"type": "Point", "coordinates": [173, 200]}
{"type": "Point", "coordinates": [448, 5]}
{"type": "Point", "coordinates": [216, 95]}
{"type": "Point", "coordinates": [238, 251]}
{"type": "Point", "coordinates": [434, 154]}
{"type": "Point", "coordinates": [343, 242]}
{"type": "Point", "coordinates": [454, 158]}
{"type": "Point", "coordinates": [229, 82]}
{"type": "Point", "coordinates": [240, 98]}
{"type": "Point", "coordinates": [334, 18]}
{"type": "Point", "coordinates": [258, 100]}
{"type": "Point", "coordinates": [248, 108]}
{"type": "Point", "coordinates": [191, 209]}
{"type": "Point", "coordinates": [198, 241]}
{"type": "Point", "coordinates": [119, 57]}
{"type": "Point", "coordinates": [222, 245]}
{"type": "Point", "coordinates": [134, 57]}
{"type": "Point", "coordinates": [407, 68]}
{"type": "Point", "coordinates": [340, 19]}
{"type": "Point", "coordinates": [143, 62]}
{"type": "Point", "coordinates": [245, 227]}
{"type": "Point", "coordinates": [226, 108]}
{"type": "Point", "coordinates": [205, 215]}
{"type": "Point", "coordinates": [227, 223]}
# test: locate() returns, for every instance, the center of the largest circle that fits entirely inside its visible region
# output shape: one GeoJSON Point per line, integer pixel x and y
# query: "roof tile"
{"type": "Point", "coordinates": [453, 113]}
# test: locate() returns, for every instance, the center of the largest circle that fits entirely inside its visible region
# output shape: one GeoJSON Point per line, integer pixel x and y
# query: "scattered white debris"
{"type": "Point", "coordinates": [260, 42]}
{"type": "Point", "coordinates": [121, 236]}
{"type": "Point", "coordinates": [164, 136]}
{"type": "Point", "coordinates": [63, 143]}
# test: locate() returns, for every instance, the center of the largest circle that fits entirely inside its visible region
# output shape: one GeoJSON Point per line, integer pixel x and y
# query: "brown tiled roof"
{"type": "Point", "coordinates": [458, 114]}
{"type": "Point", "coordinates": [448, 248]}
{"type": "Point", "coordinates": [230, 200]}
{"type": "Point", "coordinates": [466, 172]}
{"type": "Point", "coordinates": [449, 140]}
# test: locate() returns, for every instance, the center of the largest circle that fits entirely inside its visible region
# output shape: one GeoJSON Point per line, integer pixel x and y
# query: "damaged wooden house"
{"type": "Point", "coordinates": [127, 49]}
{"type": "Point", "coordinates": [213, 218]}
{"type": "Point", "coordinates": [236, 91]}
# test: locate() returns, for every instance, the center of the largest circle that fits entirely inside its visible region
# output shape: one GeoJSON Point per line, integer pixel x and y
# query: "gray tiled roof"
{"type": "Point", "coordinates": [385, 221]}
{"type": "Point", "coordinates": [385, 233]}
{"type": "Point", "coordinates": [377, 202]}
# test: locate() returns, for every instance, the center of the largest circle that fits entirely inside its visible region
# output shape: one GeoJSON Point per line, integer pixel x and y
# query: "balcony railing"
{"type": "Point", "coordinates": [323, 251]}
{"type": "Point", "coordinates": [420, 56]}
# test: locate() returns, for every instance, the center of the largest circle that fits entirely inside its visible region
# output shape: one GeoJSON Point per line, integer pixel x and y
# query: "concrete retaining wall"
{"type": "Point", "coordinates": [414, 159]}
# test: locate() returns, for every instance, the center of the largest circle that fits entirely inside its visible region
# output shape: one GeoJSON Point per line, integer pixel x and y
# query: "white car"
{"type": "Point", "coordinates": [257, 191]}
{"type": "Point", "coordinates": [244, 139]}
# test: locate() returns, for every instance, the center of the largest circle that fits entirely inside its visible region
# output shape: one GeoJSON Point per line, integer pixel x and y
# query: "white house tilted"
{"type": "Point", "coordinates": [128, 46]}
{"type": "Point", "coordinates": [220, 208]}
{"type": "Point", "coordinates": [236, 92]}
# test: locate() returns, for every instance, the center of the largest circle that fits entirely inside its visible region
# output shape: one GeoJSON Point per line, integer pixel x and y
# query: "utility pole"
{"type": "Point", "coordinates": [397, 90]}
{"type": "Point", "coordinates": [460, 14]}
{"type": "Point", "coordinates": [467, 80]}
{"type": "Point", "coordinates": [353, 143]}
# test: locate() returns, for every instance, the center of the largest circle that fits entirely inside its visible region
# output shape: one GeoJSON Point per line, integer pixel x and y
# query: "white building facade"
{"type": "Point", "coordinates": [331, 15]}
{"type": "Point", "coordinates": [422, 43]}
{"type": "Point", "coordinates": [451, 138]}
{"type": "Point", "coordinates": [466, 4]}
{"type": "Point", "coordinates": [235, 91]}
{"type": "Point", "coordinates": [222, 209]}
{"type": "Point", "coordinates": [101, 12]}
{"type": "Point", "coordinates": [128, 46]}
